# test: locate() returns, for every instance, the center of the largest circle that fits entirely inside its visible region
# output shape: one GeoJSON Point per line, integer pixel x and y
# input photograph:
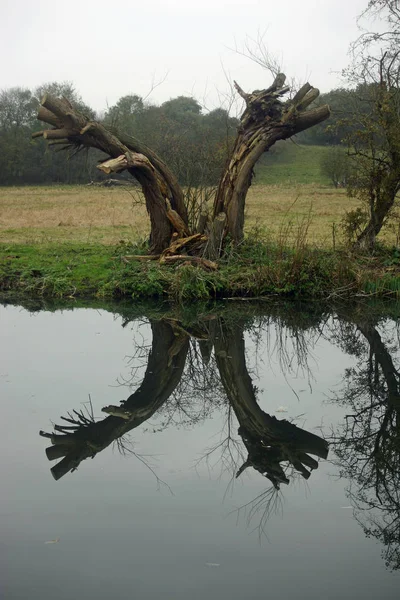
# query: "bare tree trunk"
{"type": "Point", "coordinates": [265, 120]}
{"type": "Point", "coordinates": [380, 208]}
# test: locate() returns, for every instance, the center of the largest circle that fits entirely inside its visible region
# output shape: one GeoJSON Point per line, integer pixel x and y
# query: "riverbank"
{"type": "Point", "coordinates": [257, 270]}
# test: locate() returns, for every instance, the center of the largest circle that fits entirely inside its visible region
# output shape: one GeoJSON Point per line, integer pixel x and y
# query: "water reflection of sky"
{"type": "Point", "coordinates": [119, 536]}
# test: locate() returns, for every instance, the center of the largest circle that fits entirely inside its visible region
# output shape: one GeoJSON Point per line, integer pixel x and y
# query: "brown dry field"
{"type": "Point", "coordinates": [102, 215]}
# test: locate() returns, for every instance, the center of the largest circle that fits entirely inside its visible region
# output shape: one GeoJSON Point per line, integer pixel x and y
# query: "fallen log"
{"type": "Point", "coordinates": [176, 221]}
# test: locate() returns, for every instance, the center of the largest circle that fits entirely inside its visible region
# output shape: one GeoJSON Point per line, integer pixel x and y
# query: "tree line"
{"type": "Point", "coordinates": [194, 143]}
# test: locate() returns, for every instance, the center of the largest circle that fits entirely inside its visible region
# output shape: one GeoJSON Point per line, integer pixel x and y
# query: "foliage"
{"type": "Point", "coordinates": [192, 142]}
{"type": "Point", "coordinates": [335, 165]}
{"type": "Point", "coordinates": [194, 145]}
{"type": "Point", "coordinates": [29, 161]}
{"type": "Point", "coordinates": [353, 224]}
{"type": "Point", "coordinates": [340, 101]}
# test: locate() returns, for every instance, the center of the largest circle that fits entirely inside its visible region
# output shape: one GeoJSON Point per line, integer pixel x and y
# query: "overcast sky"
{"type": "Point", "coordinates": [109, 49]}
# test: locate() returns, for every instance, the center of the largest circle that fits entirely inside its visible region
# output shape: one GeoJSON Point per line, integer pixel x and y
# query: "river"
{"type": "Point", "coordinates": [241, 451]}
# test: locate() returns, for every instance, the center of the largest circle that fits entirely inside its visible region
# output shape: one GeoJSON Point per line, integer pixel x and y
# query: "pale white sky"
{"type": "Point", "coordinates": [109, 49]}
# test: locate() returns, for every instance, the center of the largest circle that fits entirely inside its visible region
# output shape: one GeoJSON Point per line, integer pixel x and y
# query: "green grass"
{"type": "Point", "coordinates": [291, 164]}
{"type": "Point", "coordinates": [258, 269]}
{"type": "Point", "coordinates": [52, 270]}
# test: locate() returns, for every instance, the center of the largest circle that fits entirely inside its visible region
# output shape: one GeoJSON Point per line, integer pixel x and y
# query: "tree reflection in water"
{"type": "Point", "coordinates": [199, 366]}
{"type": "Point", "coordinates": [367, 444]}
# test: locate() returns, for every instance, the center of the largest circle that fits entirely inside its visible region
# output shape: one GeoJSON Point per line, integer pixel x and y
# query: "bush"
{"type": "Point", "coordinates": [335, 165]}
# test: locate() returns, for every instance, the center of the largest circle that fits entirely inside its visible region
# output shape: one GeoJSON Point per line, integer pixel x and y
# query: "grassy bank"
{"type": "Point", "coordinates": [292, 164]}
{"type": "Point", "coordinates": [259, 269]}
{"type": "Point", "coordinates": [70, 241]}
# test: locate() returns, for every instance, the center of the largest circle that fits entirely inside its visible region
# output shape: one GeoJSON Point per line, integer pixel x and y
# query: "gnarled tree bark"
{"type": "Point", "coordinates": [265, 121]}
{"type": "Point", "coordinates": [159, 185]}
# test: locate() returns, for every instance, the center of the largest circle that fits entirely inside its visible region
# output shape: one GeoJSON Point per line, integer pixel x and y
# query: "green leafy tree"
{"type": "Point", "coordinates": [17, 116]}
{"type": "Point", "coordinates": [126, 113]}
{"type": "Point", "coordinates": [29, 161]}
{"type": "Point", "coordinates": [182, 108]}
{"type": "Point", "coordinates": [335, 165]}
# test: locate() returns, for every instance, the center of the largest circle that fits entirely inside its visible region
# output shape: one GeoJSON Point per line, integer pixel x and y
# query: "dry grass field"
{"type": "Point", "coordinates": [102, 215]}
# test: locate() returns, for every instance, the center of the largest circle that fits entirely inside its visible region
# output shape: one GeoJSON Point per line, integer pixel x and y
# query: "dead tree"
{"type": "Point", "coordinates": [266, 119]}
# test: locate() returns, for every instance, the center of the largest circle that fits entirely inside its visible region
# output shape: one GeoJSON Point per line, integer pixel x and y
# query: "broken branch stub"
{"type": "Point", "coordinates": [130, 160]}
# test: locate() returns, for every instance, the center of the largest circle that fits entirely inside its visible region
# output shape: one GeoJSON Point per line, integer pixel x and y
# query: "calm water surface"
{"type": "Point", "coordinates": [237, 454]}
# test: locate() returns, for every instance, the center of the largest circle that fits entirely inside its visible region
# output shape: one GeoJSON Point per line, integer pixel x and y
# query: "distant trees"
{"type": "Point", "coordinates": [17, 118]}
{"type": "Point", "coordinates": [340, 101]}
{"type": "Point", "coordinates": [125, 113]}
{"type": "Point", "coordinates": [335, 165]}
{"type": "Point", "coordinates": [194, 145]}
{"type": "Point", "coordinates": [29, 161]}
{"type": "Point", "coordinates": [17, 108]}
